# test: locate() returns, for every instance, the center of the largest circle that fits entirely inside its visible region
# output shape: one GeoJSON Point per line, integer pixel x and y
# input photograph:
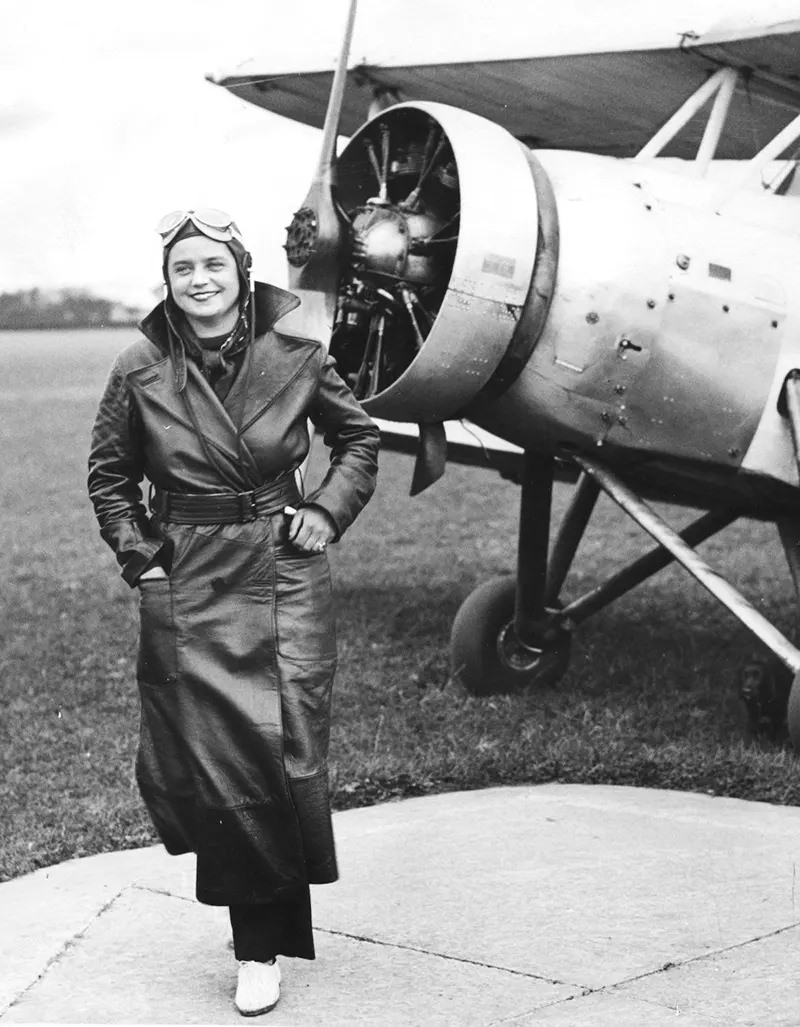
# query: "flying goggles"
{"type": "Point", "coordinates": [216, 224]}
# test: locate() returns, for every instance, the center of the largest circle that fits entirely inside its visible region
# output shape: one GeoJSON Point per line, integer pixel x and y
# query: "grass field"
{"type": "Point", "coordinates": [650, 698]}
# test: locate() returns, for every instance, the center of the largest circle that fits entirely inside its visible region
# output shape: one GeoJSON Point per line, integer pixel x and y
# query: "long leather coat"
{"type": "Point", "coordinates": [237, 646]}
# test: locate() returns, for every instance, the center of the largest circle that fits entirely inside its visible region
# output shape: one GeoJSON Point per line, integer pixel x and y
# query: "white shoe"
{"type": "Point", "coordinates": [259, 987]}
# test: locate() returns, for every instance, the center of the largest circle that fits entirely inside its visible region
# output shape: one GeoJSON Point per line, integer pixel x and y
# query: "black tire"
{"type": "Point", "coordinates": [476, 656]}
{"type": "Point", "coordinates": [765, 685]}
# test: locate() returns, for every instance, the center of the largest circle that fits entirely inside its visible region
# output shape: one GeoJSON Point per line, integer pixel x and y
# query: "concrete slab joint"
{"type": "Point", "coordinates": [551, 904]}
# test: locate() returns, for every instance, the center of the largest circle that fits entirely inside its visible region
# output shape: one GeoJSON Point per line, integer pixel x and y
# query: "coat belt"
{"type": "Point", "coordinates": [225, 507]}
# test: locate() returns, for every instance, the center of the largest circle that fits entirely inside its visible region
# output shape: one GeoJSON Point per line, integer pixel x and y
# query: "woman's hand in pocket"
{"type": "Point", "coordinates": [311, 529]}
{"type": "Point", "coordinates": [152, 574]}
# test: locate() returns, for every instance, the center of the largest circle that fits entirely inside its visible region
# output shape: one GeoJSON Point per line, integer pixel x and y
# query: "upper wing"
{"type": "Point", "coordinates": [587, 87]}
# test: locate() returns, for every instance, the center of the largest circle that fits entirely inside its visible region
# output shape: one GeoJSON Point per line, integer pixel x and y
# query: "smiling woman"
{"type": "Point", "coordinates": [209, 309]}
{"type": "Point", "coordinates": [237, 648]}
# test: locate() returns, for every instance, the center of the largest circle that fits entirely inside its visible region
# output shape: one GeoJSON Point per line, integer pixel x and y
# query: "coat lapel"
{"type": "Point", "coordinates": [217, 425]}
{"type": "Point", "coordinates": [276, 358]}
{"type": "Point", "coordinates": [275, 362]}
{"type": "Point", "coordinates": [157, 383]}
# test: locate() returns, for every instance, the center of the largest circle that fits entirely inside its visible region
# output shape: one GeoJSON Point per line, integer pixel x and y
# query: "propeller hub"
{"type": "Point", "coordinates": [301, 237]}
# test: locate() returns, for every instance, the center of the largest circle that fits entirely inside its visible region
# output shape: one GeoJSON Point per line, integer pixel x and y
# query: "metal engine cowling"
{"type": "Point", "coordinates": [443, 228]}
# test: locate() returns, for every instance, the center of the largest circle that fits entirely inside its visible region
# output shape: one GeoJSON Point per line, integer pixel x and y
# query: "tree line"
{"type": "Point", "coordinates": [62, 308]}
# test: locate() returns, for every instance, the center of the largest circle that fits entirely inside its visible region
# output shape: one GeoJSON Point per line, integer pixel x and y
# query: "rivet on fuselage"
{"type": "Point", "coordinates": [651, 303]}
{"type": "Point", "coordinates": [592, 317]}
{"type": "Point", "coordinates": [725, 307]}
{"type": "Point", "coordinates": [683, 261]}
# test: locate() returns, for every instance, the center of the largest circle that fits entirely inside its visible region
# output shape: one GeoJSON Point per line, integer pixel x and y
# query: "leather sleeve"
{"type": "Point", "coordinates": [354, 441]}
{"type": "Point", "coordinates": [116, 470]}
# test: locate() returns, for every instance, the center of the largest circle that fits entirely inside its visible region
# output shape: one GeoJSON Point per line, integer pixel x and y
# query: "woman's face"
{"type": "Point", "coordinates": [205, 283]}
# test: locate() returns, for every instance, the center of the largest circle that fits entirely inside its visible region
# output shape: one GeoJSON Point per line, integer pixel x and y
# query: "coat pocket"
{"type": "Point", "coordinates": [304, 618]}
{"type": "Point", "coordinates": [157, 662]}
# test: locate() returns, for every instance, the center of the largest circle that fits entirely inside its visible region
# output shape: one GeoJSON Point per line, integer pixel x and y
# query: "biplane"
{"type": "Point", "coordinates": [588, 248]}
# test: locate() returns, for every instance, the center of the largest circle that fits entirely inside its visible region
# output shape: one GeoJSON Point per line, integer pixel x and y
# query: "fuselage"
{"type": "Point", "coordinates": [672, 326]}
{"type": "Point", "coordinates": [571, 302]}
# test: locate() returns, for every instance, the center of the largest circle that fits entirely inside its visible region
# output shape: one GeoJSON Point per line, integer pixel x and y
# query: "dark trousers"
{"type": "Point", "coordinates": [278, 928]}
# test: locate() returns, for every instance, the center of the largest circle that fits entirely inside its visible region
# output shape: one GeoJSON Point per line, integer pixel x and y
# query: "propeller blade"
{"type": "Point", "coordinates": [315, 234]}
{"type": "Point", "coordinates": [431, 457]}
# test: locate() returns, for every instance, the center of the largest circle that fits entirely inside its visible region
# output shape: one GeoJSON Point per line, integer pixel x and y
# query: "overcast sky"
{"type": "Point", "coordinates": [107, 122]}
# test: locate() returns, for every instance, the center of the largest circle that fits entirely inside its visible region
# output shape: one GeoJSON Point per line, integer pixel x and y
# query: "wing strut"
{"type": "Point", "coordinates": [754, 168]}
{"type": "Point", "coordinates": [721, 86]}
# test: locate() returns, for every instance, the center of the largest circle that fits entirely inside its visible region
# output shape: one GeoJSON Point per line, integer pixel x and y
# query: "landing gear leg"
{"type": "Point", "coordinates": [780, 677]}
{"type": "Point", "coordinates": [502, 639]}
{"type": "Point", "coordinates": [791, 539]}
{"type": "Point", "coordinates": [673, 543]}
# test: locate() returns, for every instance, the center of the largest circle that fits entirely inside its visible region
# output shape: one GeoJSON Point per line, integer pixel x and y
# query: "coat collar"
{"type": "Point", "coordinates": [270, 302]}
{"type": "Point", "coordinates": [273, 361]}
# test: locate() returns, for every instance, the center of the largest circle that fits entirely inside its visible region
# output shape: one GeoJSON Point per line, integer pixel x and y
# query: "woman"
{"type": "Point", "coordinates": [237, 647]}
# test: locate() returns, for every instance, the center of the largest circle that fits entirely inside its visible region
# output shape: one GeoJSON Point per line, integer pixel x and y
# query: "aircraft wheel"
{"type": "Point", "coordinates": [485, 654]}
{"type": "Point", "coordinates": [793, 714]}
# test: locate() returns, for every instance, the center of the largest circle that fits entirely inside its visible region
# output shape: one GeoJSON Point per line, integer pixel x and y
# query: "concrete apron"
{"type": "Point", "coordinates": [553, 904]}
